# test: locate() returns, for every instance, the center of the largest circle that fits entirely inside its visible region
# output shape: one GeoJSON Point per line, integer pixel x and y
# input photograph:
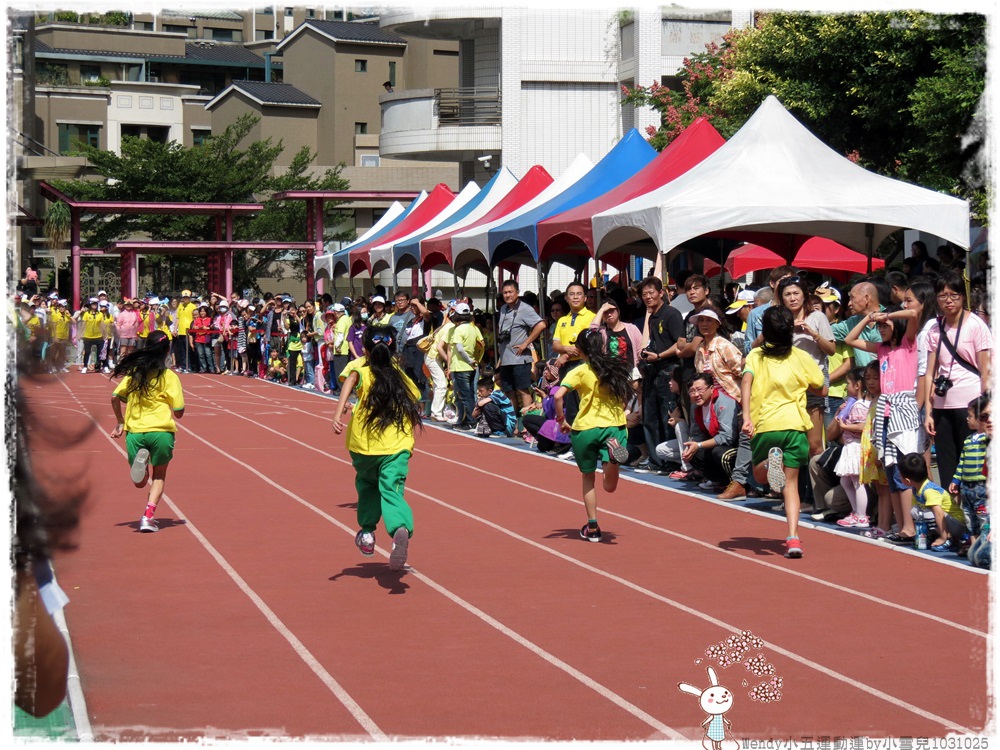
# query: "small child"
{"type": "Point", "coordinates": [871, 470]}
{"type": "Point", "coordinates": [604, 383]}
{"type": "Point", "coordinates": [969, 482]}
{"type": "Point", "coordinates": [276, 369]}
{"type": "Point", "coordinates": [981, 551]}
{"type": "Point", "coordinates": [153, 399]}
{"type": "Point", "coordinates": [293, 349]}
{"type": "Point", "coordinates": [852, 418]}
{"type": "Point", "coordinates": [948, 515]}
{"type": "Point", "coordinates": [380, 439]}
{"type": "Point", "coordinates": [493, 409]}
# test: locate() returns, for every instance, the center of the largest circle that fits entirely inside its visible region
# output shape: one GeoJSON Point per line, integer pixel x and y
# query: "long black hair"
{"type": "Point", "coordinates": [390, 402]}
{"type": "Point", "coordinates": [145, 366]}
{"type": "Point", "coordinates": [923, 290]}
{"type": "Point", "coordinates": [777, 326]}
{"type": "Point", "coordinates": [613, 373]}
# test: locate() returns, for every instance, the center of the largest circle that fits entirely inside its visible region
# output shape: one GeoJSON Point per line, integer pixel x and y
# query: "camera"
{"type": "Point", "coordinates": [942, 385]}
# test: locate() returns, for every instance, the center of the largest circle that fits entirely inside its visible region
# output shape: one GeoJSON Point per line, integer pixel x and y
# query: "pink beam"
{"type": "Point", "coordinates": [74, 230]}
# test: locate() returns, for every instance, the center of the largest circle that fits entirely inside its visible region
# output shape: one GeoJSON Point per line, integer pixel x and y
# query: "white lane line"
{"type": "Point", "coordinates": [366, 722]}
{"type": "Point", "coordinates": [856, 684]}
{"type": "Point", "coordinates": [707, 545]}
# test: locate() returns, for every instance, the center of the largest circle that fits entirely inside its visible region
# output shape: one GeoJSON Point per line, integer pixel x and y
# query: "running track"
{"type": "Point", "coordinates": [252, 614]}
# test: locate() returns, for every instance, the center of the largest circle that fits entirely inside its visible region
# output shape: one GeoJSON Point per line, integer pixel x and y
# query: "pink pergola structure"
{"type": "Point", "coordinates": [219, 253]}
{"type": "Point", "coordinates": [315, 199]}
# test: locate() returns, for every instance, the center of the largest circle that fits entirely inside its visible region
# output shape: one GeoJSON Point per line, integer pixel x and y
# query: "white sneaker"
{"type": "Point", "coordinates": [400, 545]}
{"type": "Point", "coordinates": [776, 469]}
{"type": "Point", "coordinates": [148, 525]}
{"type": "Point", "coordinates": [139, 465]}
{"type": "Point", "coordinates": [567, 456]}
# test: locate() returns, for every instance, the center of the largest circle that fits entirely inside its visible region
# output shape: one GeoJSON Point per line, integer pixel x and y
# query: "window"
{"type": "Point", "coordinates": [223, 35]}
{"type": "Point", "coordinates": [158, 133]}
{"type": "Point", "coordinates": [198, 137]}
{"type": "Point", "coordinates": [71, 135]}
{"type": "Point", "coordinates": [392, 74]}
{"type": "Point", "coordinates": [174, 29]}
{"type": "Point", "coordinates": [310, 12]}
{"type": "Point", "coordinates": [263, 34]}
{"type": "Point", "coordinates": [145, 26]}
{"type": "Point", "coordinates": [360, 66]}
{"type": "Point", "coordinates": [52, 74]}
{"type": "Point", "coordinates": [370, 160]}
{"type": "Point", "coordinates": [288, 12]}
{"type": "Point", "coordinates": [89, 73]}
{"type": "Point", "coordinates": [268, 11]}
{"type": "Point", "coordinates": [361, 128]}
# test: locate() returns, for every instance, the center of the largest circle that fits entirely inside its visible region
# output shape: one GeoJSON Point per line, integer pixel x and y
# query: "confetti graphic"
{"type": "Point", "coordinates": [745, 648]}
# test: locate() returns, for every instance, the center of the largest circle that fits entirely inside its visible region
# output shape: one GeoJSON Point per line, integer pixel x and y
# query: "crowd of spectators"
{"type": "Point", "coordinates": [906, 359]}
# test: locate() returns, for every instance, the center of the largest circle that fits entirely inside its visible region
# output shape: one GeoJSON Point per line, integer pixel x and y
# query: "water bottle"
{"type": "Point", "coordinates": [921, 534]}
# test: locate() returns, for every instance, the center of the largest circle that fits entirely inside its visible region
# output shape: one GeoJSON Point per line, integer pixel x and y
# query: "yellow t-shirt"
{"type": "Point", "coordinates": [367, 442]}
{"type": "Point", "coordinates": [342, 326]}
{"type": "Point", "coordinates": [778, 393]}
{"type": "Point", "coordinates": [568, 327]}
{"type": "Point", "coordinates": [598, 408]}
{"type": "Point", "coordinates": [470, 338]}
{"type": "Point", "coordinates": [109, 326]}
{"type": "Point", "coordinates": [154, 413]}
{"type": "Point", "coordinates": [185, 314]}
{"type": "Point", "coordinates": [93, 325]}
{"type": "Point", "coordinates": [59, 324]}
{"type": "Point", "coordinates": [931, 494]}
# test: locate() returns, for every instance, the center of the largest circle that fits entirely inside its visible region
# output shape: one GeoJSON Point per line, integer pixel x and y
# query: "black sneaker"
{"type": "Point", "coordinates": [590, 533]}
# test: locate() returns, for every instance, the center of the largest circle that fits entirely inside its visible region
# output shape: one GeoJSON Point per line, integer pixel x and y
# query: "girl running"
{"type": "Point", "coordinates": [851, 420]}
{"type": "Point", "coordinates": [604, 385]}
{"type": "Point", "coordinates": [380, 437]}
{"type": "Point", "coordinates": [776, 379]}
{"type": "Point", "coordinates": [153, 399]}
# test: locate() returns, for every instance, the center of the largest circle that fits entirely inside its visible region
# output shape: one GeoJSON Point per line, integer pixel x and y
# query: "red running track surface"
{"type": "Point", "coordinates": [252, 614]}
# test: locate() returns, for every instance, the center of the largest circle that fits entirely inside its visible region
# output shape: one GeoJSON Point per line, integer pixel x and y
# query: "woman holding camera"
{"type": "Point", "coordinates": [958, 370]}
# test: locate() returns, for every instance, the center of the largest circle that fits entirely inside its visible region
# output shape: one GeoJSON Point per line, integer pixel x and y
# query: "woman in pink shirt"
{"type": "Point", "coordinates": [127, 327]}
{"type": "Point", "coordinates": [953, 381]}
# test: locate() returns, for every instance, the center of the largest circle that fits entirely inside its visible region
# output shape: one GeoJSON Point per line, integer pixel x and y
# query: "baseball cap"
{"type": "Point", "coordinates": [186, 293]}
{"type": "Point", "coordinates": [462, 309]}
{"type": "Point", "coordinates": [378, 298]}
{"type": "Point", "coordinates": [828, 293]}
{"type": "Point", "coordinates": [102, 292]}
{"type": "Point", "coordinates": [153, 300]}
{"type": "Point", "coordinates": [337, 308]}
{"type": "Point", "coordinates": [707, 313]}
{"type": "Point", "coordinates": [92, 301]}
{"type": "Point", "coordinates": [64, 302]}
{"type": "Point", "coordinates": [102, 303]}
{"type": "Point", "coordinates": [743, 299]}
{"type": "Point", "coordinates": [347, 302]}
{"type": "Point", "coordinates": [223, 306]}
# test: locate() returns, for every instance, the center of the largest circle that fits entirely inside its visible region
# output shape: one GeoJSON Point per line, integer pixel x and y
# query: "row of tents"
{"type": "Point", "coordinates": [773, 184]}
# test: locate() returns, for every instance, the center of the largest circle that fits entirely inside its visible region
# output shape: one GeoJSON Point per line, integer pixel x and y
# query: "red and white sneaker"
{"type": "Point", "coordinates": [848, 521]}
{"type": "Point", "coordinates": [793, 548]}
{"type": "Point", "coordinates": [366, 543]}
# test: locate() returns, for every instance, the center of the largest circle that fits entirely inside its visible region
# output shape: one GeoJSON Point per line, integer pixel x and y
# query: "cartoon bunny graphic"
{"type": "Point", "coordinates": [715, 701]}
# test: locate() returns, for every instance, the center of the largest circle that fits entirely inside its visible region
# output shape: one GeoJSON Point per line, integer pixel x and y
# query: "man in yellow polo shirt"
{"type": "Point", "coordinates": [181, 343]}
{"type": "Point", "coordinates": [568, 327]}
{"type": "Point", "coordinates": [92, 322]}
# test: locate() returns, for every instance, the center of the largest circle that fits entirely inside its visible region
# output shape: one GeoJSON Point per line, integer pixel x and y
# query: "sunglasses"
{"type": "Point", "coordinates": [790, 280]}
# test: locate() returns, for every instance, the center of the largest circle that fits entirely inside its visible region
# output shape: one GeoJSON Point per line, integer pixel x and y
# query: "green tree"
{"type": "Point", "coordinates": [897, 92]}
{"type": "Point", "coordinates": [221, 170]}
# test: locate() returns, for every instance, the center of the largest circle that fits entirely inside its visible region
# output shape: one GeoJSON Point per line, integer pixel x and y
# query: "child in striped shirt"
{"type": "Point", "coordinates": [969, 482]}
{"type": "Point", "coordinates": [493, 409]}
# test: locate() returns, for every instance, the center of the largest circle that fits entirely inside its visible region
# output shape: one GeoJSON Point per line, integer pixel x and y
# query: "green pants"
{"type": "Point", "coordinates": [379, 482]}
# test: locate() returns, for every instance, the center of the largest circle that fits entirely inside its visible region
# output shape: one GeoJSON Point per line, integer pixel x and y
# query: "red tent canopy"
{"type": "Point", "coordinates": [750, 258]}
{"type": "Point", "coordinates": [571, 232]}
{"type": "Point", "coordinates": [833, 259]}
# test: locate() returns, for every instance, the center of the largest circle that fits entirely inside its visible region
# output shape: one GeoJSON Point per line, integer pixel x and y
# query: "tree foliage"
{"type": "Point", "coordinates": [900, 92]}
{"type": "Point", "coordinates": [221, 170]}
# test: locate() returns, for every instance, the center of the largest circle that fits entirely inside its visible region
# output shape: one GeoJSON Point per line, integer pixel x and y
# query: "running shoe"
{"type": "Point", "coordinates": [709, 486]}
{"type": "Point", "coordinates": [590, 533]}
{"type": "Point", "coordinates": [617, 452]}
{"type": "Point", "coordinates": [148, 525]}
{"type": "Point", "coordinates": [567, 456]}
{"type": "Point", "coordinates": [400, 544]}
{"type": "Point", "coordinates": [848, 521]}
{"type": "Point", "coordinates": [139, 464]}
{"type": "Point", "coordinates": [680, 475]}
{"type": "Point", "coordinates": [776, 470]}
{"type": "Point", "coordinates": [366, 543]}
{"type": "Point", "coordinates": [643, 467]}
{"type": "Point", "coordinates": [793, 548]}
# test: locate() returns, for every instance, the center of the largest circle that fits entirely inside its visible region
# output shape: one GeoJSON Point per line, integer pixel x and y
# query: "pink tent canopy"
{"type": "Point", "coordinates": [433, 204]}
{"type": "Point", "coordinates": [437, 251]}
{"type": "Point", "coordinates": [570, 232]}
{"type": "Point", "coordinates": [750, 258]}
{"type": "Point", "coordinates": [833, 259]}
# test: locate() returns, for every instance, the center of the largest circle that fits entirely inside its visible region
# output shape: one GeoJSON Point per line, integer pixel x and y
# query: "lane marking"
{"type": "Point", "coordinates": [707, 545]}
{"type": "Point", "coordinates": [352, 706]}
{"type": "Point", "coordinates": [856, 684]}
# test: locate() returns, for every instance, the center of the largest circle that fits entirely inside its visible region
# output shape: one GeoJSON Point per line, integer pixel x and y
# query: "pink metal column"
{"type": "Point", "coordinates": [74, 214]}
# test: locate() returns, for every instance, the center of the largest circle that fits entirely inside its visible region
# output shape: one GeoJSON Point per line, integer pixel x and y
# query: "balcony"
{"type": "Point", "coordinates": [458, 124]}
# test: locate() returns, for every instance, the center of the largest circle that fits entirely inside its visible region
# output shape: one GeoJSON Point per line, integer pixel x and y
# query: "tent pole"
{"type": "Point", "coordinates": [542, 309]}
{"type": "Point", "coordinates": [870, 237]}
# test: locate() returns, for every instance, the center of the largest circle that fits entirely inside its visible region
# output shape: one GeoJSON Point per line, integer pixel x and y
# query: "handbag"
{"type": "Point", "coordinates": [828, 458]}
{"type": "Point", "coordinates": [425, 343]}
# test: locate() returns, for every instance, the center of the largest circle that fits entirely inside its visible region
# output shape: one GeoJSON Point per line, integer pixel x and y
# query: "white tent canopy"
{"type": "Point", "coordinates": [776, 176]}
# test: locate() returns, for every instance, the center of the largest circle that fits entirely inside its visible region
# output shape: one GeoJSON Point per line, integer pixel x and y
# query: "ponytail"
{"type": "Point", "coordinates": [390, 402]}
{"type": "Point", "coordinates": [613, 373]}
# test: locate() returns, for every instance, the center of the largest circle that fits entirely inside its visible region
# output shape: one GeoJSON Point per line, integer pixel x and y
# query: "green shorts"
{"type": "Point", "coordinates": [590, 445]}
{"type": "Point", "coordinates": [159, 444]}
{"type": "Point", "coordinates": [793, 443]}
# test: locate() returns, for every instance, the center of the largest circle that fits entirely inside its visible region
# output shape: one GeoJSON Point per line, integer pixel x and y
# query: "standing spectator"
{"type": "Point", "coordinates": [623, 340]}
{"type": "Point", "coordinates": [436, 360]}
{"type": "Point", "coordinates": [662, 328]}
{"type": "Point", "coordinates": [59, 335]}
{"type": "Point", "coordinates": [518, 328]}
{"type": "Point", "coordinates": [753, 335]}
{"type": "Point", "coordinates": [696, 291]}
{"type": "Point", "coordinates": [29, 282]}
{"type": "Point", "coordinates": [862, 300]}
{"type": "Point", "coordinates": [355, 334]}
{"type": "Point", "coordinates": [466, 348]}
{"type": "Point", "coordinates": [715, 355]}
{"type": "Point", "coordinates": [92, 324]}
{"type": "Point", "coordinates": [958, 370]}
{"type": "Point", "coordinates": [569, 327]}
{"type": "Point", "coordinates": [201, 332]}
{"type": "Point", "coordinates": [740, 308]}
{"type": "Point", "coordinates": [108, 333]}
{"type": "Point", "coordinates": [184, 343]}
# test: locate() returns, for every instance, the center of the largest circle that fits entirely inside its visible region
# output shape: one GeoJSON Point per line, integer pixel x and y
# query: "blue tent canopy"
{"type": "Point", "coordinates": [629, 155]}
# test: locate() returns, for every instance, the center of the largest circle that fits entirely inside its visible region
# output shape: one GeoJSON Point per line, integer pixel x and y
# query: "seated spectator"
{"type": "Point", "coordinates": [494, 411]}
{"type": "Point", "coordinates": [714, 432]}
{"type": "Point", "coordinates": [277, 368]}
{"type": "Point", "coordinates": [544, 427]}
{"type": "Point", "coordinates": [946, 514]}
{"type": "Point", "coordinates": [669, 452]}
